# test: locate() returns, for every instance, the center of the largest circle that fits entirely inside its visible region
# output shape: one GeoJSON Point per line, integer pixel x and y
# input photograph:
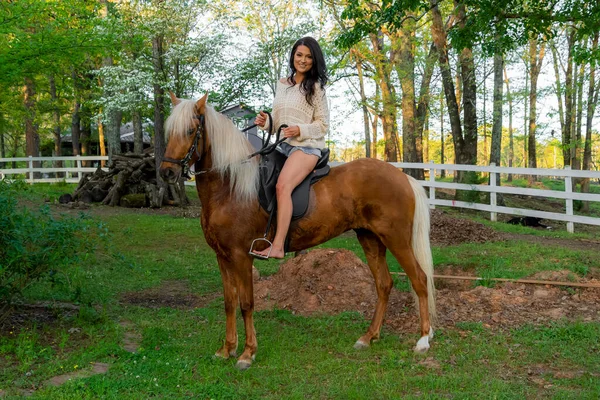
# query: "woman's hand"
{"type": "Point", "coordinates": [291, 131]}
{"type": "Point", "coordinates": [261, 119]}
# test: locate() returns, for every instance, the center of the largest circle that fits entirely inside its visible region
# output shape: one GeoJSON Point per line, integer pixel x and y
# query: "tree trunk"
{"type": "Point", "coordinates": [467, 154]}
{"type": "Point", "coordinates": [423, 105]}
{"type": "Point", "coordinates": [525, 114]}
{"type": "Point", "coordinates": [375, 121]}
{"type": "Point", "coordinates": [138, 134]}
{"type": "Point", "coordinates": [558, 89]}
{"type": "Point", "coordinates": [159, 111]}
{"type": "Point", "coordinates": [442, 159]}
{"type": "Point", "coordinates": [511, 149]}
{"type": "Point", "coordinates": [86, 136]}
{"type": "Point", "coordinates": [101, 140]}
{"type": "Point", "coordinates": [592, 101]}
{"type": "Point", "coordinates": [56, 123]}
{"type": "Point", "coordinates": [535, 62]}
{"type": "Point", "coordinates": [112, 126]}
{"type": "Point", "coordinates": [406, 73]}
{"type": "Point", "coordinates": [388, 112]}
{"type": "Point", "coordinates": [32, 138]}
{"type": "Point", "coordinates": [440, 39]}
{"type": "Point", "coordinates": [363, 100]}
{"type": "Point", "coordinates": [2, 144]}
{"type": "Point", "coordinates": [567, 133]}
{"type": "Point", "coordinates": [496, 147]}
{"type": "Point", "coordinates": [577, 154]}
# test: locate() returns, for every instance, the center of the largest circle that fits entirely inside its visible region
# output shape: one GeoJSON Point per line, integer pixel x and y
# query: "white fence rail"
{"type": "Point", "coordinates": [493, 208]}
{"type": "Point", "coordinates": [42, 169]}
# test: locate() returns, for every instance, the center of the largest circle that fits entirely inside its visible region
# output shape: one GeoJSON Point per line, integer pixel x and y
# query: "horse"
{"type": "Point", "coordinates": [386, 208]}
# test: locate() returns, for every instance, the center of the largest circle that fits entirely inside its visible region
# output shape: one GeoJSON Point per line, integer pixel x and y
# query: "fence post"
{"type": "Point", "coordinates": [30, 169]}
{"type": "Point", "coordinates": [569, 201]}
{"type": "Point", "coordinates": [79, 173]}
{"type": "Point", "coordinates": [432, 188]}
{"type": "Point", "coordinates": [493, 198]}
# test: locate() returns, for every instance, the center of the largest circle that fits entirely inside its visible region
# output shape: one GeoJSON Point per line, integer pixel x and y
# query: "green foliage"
{"type": "Point", "coordinates": [470, 178]}
{"type": "Point", "coordinates": [37, 246]}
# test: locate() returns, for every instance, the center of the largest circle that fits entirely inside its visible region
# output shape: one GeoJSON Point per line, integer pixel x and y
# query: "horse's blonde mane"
{"type": "Point", "coordinates": [230, 147]}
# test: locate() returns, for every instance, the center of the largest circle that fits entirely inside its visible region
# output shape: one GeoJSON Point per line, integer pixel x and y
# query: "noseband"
{"type": "Point", "coordinates": [184, 162]}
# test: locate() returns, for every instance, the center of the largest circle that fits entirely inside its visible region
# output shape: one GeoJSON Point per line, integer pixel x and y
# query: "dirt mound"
{"type": "Point", "coordinates": [174, 294]}
{"type": "Point", "coordinates": [447, 230]}
{"type": "Point", "coordinates": [321, 281]}
{"type": "Point", "coordinates": [330, 281]}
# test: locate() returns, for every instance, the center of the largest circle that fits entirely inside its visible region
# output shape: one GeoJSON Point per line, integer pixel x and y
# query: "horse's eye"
{"type": "Point", "coordinates": [191, 131]}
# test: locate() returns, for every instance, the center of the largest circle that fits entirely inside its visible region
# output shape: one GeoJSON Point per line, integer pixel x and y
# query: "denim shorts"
{"type": "Point", "coordinates": [287, 149]}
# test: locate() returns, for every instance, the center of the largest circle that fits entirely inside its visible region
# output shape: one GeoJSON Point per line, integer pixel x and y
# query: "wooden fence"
{"type": "Point", "coordinates": [42, 169]}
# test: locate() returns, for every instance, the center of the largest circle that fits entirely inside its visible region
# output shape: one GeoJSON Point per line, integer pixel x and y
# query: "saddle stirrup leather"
{"type": "Point", "coordinates": [264, 238]}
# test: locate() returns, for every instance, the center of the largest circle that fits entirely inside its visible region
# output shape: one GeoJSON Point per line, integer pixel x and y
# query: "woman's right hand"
{"type": "Point", "coordinates": [261, 119]}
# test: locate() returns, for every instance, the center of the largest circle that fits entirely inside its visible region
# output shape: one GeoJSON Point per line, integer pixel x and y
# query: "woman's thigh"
{"type": "Point", "coordinates": [296, 168]}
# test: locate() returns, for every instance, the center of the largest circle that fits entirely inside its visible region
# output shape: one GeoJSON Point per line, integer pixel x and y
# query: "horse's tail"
{"type": "Point", "coordinates": [420, 242]}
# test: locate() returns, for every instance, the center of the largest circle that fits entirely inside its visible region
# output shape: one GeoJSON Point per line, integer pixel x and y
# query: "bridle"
{"type": "Point", "coordinates": [184, 162]}
{"type": "Point", "coordinates": [200, 133]}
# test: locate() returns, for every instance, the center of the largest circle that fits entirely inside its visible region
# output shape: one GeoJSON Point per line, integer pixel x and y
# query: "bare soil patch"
{"type": "Point", "coordinates": [95, 369]}
{"type": "Point", "coordinates": [173, 294]}
{"type": "Point", "coordinates": [328, 281]}
{"type": "Point", "coordinates": [29, 315]}
{"type": "Point", "coordinates": [447, 230]}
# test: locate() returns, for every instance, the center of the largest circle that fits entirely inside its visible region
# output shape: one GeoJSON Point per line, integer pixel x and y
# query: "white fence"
{"type": "Point", "coordinates": [565, 174]}
{"type": "Point", "coordinates": [42, 169]}
{"type": "Point", "coordinates": [47, 173]}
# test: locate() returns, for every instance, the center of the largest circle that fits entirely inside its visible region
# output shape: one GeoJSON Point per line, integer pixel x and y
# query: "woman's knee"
{"type": "Point", "coordinates": [284, 188]}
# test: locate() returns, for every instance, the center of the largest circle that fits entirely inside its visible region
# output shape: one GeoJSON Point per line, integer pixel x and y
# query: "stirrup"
{"type": "Point", "coordinates": [260, 256]}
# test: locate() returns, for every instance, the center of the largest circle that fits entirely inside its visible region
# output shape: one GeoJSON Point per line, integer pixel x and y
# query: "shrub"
{"type": "Point", "coordinates": [35, 245]}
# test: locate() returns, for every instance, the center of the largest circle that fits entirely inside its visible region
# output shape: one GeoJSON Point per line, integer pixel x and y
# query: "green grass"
{"type": "Point", "coordinates": [298, 357]}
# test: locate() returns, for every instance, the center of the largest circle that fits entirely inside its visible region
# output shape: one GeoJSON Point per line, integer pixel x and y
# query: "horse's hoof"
{"type": "Point", "coordinates": [422, 345]}
{"type": "Point", "coordinates": [222, 356]}
{"type": "Point", "coordinates": [360, 345]}
{"type": "Point", "coordinates": [243, 365]}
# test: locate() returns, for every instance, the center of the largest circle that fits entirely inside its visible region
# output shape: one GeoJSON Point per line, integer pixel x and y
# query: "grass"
{"type": "Point", "coordinates": [299, 357]}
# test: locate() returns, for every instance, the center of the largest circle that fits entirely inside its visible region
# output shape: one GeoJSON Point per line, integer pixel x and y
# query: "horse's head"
{"type": "Point", "coordinates": [186, 131]}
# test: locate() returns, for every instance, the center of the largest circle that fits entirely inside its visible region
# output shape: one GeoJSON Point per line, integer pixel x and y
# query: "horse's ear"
{"type": "Point", "coordinates": [174, 98]}
{"type": "Point", "coordinates": [200, 104]}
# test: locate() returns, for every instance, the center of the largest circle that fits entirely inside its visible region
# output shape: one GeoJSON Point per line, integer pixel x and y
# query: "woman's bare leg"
{"type": "Point", "coordinates": [296, 168]}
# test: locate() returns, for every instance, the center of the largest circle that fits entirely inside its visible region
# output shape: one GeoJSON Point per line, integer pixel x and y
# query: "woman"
{"type": "Point", "coordinates": [301, 103]}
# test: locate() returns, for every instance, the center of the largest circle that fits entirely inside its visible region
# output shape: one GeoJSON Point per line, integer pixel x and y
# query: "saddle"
{"type": "Point", "coordinates": [269, 169]}
{"type": "Point", "coordinates": [270, 166]}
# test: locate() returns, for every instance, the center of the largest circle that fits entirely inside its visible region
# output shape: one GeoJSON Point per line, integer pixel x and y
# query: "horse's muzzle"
{"type": "Point", "coordinates": [170, 174]}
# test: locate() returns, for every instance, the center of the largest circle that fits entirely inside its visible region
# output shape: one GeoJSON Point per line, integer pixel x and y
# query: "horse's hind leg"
{"type": "Point", "coordinates": [375, 253]}
{"type": "Point", "coordinates": [405, 256]}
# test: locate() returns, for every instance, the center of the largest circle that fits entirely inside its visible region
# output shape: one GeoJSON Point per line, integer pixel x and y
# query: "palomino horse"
{"type": "Point", "coordinates": [386, 208]}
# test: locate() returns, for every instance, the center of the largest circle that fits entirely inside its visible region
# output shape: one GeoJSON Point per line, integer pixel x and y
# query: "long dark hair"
{"type": "Point", "coordinates": [318, 71]}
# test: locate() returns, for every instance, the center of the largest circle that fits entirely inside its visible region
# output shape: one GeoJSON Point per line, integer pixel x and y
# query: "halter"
{"type": "Point", "coordinates": [184, 162]}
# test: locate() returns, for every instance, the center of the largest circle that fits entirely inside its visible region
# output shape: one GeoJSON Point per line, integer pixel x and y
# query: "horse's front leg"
{"type": "Point", "coordinates": [236, 273]}
{"type": "Point", "coordinates": [243, 267]}
{"type": "Point", "coordinates": [229, 348]}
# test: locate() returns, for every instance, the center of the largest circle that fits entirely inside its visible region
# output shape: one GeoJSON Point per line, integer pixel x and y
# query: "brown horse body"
{"type": "Point", "coordinates": [372, 197]}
